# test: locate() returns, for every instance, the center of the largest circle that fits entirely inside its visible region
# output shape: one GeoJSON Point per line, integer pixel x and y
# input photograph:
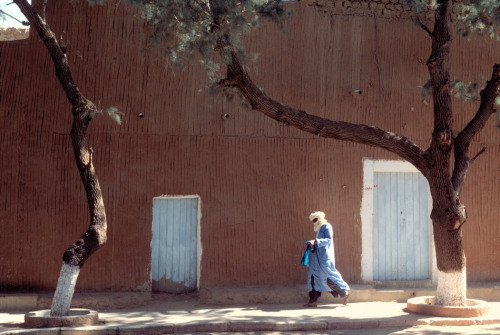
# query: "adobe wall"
{"type": "Point", "coordinates": [257, 180]}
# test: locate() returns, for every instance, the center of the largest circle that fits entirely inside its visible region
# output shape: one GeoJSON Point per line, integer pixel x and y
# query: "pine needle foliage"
{"type": "Point", "coordinates": [481, 17]}
{"type": "Point", "coordinates": [471, 16]}
{"type": "Point", "coordinates": [478, 16]}
{"type": "Point", "coordinates": [112, 112]}
{"type": "Point", "coordinates": [461, 90]}
{"type": "Point", "coordinates": [188, 28]}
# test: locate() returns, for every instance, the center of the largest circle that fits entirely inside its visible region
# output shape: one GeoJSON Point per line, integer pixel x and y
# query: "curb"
{"type": "Point", "coordinates": [252, 326]}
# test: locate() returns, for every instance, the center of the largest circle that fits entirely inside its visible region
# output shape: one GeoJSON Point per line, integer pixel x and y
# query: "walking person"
{"type": "Point", "coordinates": [323, 276]}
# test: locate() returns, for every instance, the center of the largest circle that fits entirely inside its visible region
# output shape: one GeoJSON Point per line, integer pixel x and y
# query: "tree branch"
{"type": "Point", "coordinates": [423, 26]}
{"type": "Point", "coordinates": [486, 108]}
{"type": "Point", "coordinates": [464, 138]}
{"type": "Point", "coordinates": [483, 149]}
{"type": "Point", "coordinates": [238, 78]}
{"type": "Point", "coordinates": [58, 56]}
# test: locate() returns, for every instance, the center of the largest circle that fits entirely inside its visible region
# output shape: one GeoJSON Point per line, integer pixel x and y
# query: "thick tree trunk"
{"type": "Point", "coordinates": [448, 214]}
{"type": "Point", "coordinates": [451, 289]}
{"type": "Point", "coordinates": [447, 219]}
{"type": "Point", "coordinates": [83, 111]}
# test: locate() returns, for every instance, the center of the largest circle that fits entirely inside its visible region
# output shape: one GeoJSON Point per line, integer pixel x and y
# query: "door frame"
{"type": "Point", "coordinates": [198, 235]}
{"type": "Point", "coordinates": [369, 168]}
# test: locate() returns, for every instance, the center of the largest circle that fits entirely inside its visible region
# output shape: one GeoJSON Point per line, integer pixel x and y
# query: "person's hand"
{"type": "Point", "coordinates": [311, 243]}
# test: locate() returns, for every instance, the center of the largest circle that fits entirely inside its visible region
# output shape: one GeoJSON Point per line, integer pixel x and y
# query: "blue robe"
{"type": "Point", "coordinates": [322, 265]}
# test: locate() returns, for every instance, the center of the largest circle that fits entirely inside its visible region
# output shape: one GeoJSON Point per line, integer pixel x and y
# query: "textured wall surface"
{"type": "Point", "coordinates": [257, 180]}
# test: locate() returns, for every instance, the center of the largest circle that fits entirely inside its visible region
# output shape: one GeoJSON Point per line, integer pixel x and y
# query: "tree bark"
{"type": "Point", "coordinates": [83, 110]}
{"type": "Point", "coordinates": [448, 214]}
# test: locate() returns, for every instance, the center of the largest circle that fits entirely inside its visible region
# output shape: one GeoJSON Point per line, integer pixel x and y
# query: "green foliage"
{"type": "Point", "coordinates": [184, 28]}
{"type": "Point", "coordinates": [112, 112]}
{"type": "Point", "coordinates": [419, 6]}
{"type": "Point", "coordinates": [467, 91]}
{"type": "Point", "coordinates": [471, 16]}
{"type": "Point", "coordinates": [464, 91]}
{"type": "Point", "coordinates": [478, 16]}
{"type": "Point", "coordinates": [96, 2]}
{"type": "Point", "coordinates": [461, 90]}
{"type": "Point", "coordinates": [92, 2]}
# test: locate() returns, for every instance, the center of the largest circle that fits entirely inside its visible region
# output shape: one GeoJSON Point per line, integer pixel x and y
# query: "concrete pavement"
{"type": "Point", "coordinates": [165, 314]}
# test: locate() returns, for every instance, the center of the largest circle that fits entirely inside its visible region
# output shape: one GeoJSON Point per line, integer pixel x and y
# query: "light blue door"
{"type": "Point", "coordinates": [401, 226]}
{"type": "Point", "coordinates": [175, 244]}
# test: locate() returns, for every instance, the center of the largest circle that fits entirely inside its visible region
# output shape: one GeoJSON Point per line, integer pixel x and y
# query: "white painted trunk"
{"type": "Point", "coordinates": [452, 288]}
{"type": "Point", "coordinates": [65, 289]}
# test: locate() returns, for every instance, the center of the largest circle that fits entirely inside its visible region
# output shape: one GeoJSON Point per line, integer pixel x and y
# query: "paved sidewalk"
{"type": "Point", "coordinates": [163, 316]}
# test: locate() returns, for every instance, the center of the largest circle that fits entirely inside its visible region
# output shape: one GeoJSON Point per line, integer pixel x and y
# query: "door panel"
{"type": "Point", "coordinates": [401, 227]}
{"type": "Point", "coordinates": [175, 241]}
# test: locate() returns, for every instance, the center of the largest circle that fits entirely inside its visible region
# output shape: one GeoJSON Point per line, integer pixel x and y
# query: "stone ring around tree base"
{"type": "Point", "coordinates": [76, 318]}
{"type": "Point", "coordinates": [425, 305]}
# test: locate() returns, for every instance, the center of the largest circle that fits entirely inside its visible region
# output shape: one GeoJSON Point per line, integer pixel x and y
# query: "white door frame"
{"type": "Point", "coordinates": [369, 168]}
{"type": "Point", "coordinates": [198, 232]}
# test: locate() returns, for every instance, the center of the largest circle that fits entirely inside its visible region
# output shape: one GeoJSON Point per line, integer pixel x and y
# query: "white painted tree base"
{"type": "Point", "coordinates": [452, 288]}
{"type": "Point", "coordinates": [65, 289]}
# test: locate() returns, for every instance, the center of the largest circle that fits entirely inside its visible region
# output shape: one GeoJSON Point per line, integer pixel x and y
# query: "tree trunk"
{"type": "Point", "coordinates": [447, 216]}
{"type": "Point", "coordinates": [95, 237]}
{"type": "Point", "coordinates": [64, 290]}
{"type": "Point", "coordinates": [451, 289]}
{"type": "Point", "coordinates": [452, 284]}
{"type": "Point", "coordinates": [83, 110]}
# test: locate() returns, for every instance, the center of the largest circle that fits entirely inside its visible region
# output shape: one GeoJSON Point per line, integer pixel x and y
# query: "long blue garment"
{"type": "Point", "coordinates": [322, 265]}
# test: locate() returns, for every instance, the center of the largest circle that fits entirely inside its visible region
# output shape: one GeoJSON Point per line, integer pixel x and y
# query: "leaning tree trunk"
{"type": "Point", "coordinates": [83, 111]}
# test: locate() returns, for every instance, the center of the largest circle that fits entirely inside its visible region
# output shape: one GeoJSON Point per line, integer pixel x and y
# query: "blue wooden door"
{"type": "Point", "coordinates": [401, 227]}
{"type": "Point", "coordinates": [175, 244]}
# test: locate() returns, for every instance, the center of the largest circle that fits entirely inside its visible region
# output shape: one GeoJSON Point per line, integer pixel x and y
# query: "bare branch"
{"type": "Point", "coordinates": [464, 138]}
{"type": "Point", "coordinates": [486, 108]}
{"type": "Point", "coordinates": [237, 77]}
{"type": "Point", "coordinates": [478, 154]}
{"type": "Point", "coordinates": [56, 52]}
{"type": "Point", "coordinates": [423, 26]}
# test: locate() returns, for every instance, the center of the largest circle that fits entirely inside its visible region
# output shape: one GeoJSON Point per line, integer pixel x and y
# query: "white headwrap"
{"type": "Point", "coordinates": [321, 219]}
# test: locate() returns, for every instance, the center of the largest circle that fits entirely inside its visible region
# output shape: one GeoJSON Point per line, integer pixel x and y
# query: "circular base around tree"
{"type": "Point", "coordinates": [425, 305]}
{"type": "Point", "coordinates": [76, 318]}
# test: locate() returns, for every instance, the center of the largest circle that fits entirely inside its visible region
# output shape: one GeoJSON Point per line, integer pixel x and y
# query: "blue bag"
{"type": "Point", "coordinates": [306, 259]}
